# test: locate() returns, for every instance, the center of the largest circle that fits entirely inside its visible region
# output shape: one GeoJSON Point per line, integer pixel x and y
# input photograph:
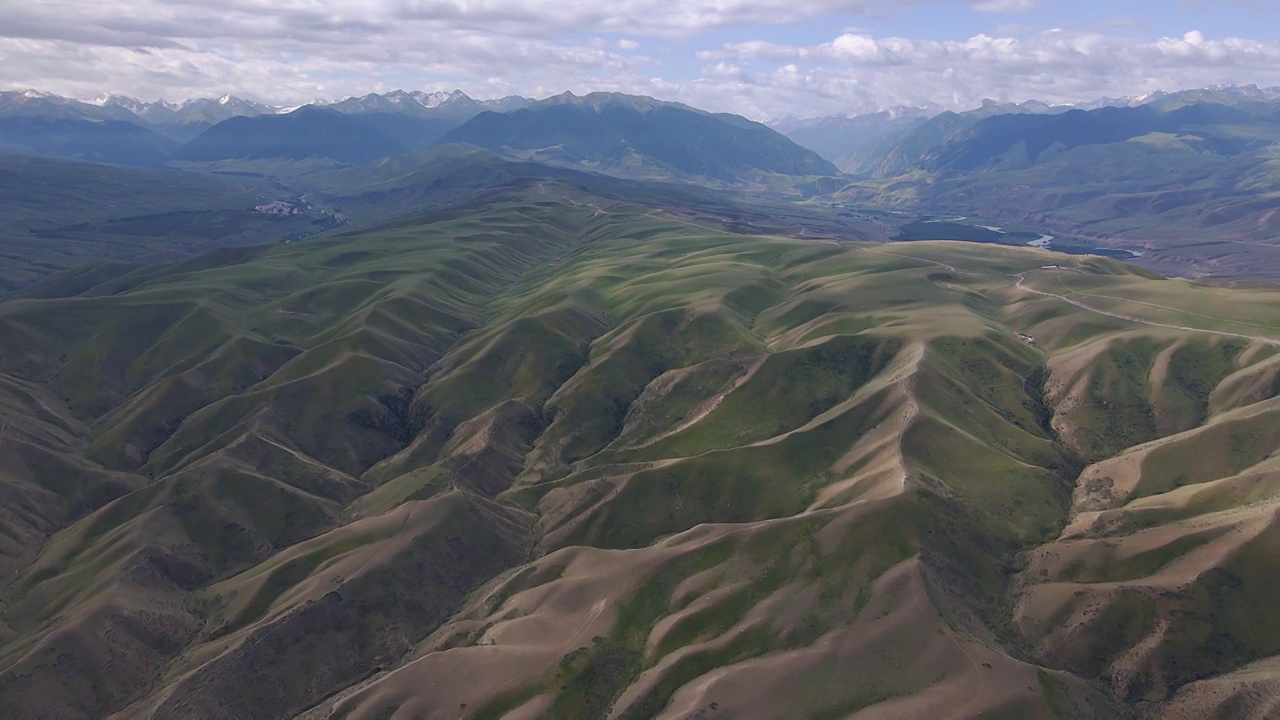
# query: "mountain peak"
{"type": "Point", "coordinates": [441, 97]}
{"type": "Point", "coordinates": [413, 102]}
{"type": "Point", "coordinates": [599, 100]}
{"type": "Point", "coordinates": [601, 130]}
{"type": "Point", "coordinates": [133, 105]}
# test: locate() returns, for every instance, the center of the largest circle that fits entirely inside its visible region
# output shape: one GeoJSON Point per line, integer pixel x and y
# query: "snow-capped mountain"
{"type": "Point", "coordinates": [34, 102]}
{"type": "Point", "coordinates": [183, 121]}
{"type": "Point", "coordinates": [211, 110]}
{"type": "Point", "coordinates": [1224, 94]}
{"type": "Point", "coordinates": [424, 104]}
{"type": "Point", "coordinates": [133, 105]}
{"type": "Point", "coordinates": [199, 110]}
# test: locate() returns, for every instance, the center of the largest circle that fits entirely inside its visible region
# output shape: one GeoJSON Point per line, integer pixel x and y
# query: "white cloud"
{"type": "Point", "coordinates": [290, 50]}
{"type": "Point", "coordinates": [133, 22]}
{"type": "Point", "coordinates": [1021, 7]}
{"type": "Point", "coordinates": [860, 72]}
{"type": "Point", "coordinates": [297, 50]}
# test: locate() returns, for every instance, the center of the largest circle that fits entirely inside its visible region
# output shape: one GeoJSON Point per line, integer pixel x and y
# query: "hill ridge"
{"type": "Point", "coordinates": [580, 404]}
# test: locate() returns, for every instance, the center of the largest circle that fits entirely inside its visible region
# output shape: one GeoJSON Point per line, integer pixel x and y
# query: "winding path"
{"type": "Point", "coordinates": [1021, 285]}
{"type": "Point", "coordinates": [1258, 338]}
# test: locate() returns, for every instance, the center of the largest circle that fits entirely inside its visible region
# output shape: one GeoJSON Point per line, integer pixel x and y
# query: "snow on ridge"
{"type": "Point", "coordinates": [435, 99]}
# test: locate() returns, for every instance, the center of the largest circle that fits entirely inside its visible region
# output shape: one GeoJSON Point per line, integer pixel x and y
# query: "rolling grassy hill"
{"type": "Point", "coordinates": [450, 176]}
{"type": "Point", "coordinates": [559, 454]}
{"type": "Point", "coordinates": [60, 214]}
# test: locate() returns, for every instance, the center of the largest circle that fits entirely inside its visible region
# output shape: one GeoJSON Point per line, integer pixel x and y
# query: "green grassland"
{"type": "Point", "coordinates": [61, 214]}
{"type": "Point", "coordinates": [605, 461]}
{"type": "Point", "coordinates": [58, 215]}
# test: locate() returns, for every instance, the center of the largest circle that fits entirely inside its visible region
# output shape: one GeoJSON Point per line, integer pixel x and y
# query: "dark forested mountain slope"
{"type": "Point", "coordinates": [631, 135]}
{"type": "Point", "coordinates": [305, 133]}
{"type": "Point", "coordinates": [109, 141]}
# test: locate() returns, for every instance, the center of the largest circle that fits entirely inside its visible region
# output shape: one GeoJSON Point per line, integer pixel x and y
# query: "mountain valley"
{"type": "Point", "coordinates": [1186, 182]}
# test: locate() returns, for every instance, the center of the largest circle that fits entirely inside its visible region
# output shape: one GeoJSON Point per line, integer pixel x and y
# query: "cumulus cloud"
{"type": "Point", "coordinates": [323, 21]}
{"type": "Point", "coordinates": [1054, 49]}
{"type": "Point", "coordinates": [298, 50]}
{"type": "Point", "coordinates": [290, 50]}
{"type": "Point", "coordinates": [866, 72]}
{"type": "Point", "coordinates": [1006, 6]}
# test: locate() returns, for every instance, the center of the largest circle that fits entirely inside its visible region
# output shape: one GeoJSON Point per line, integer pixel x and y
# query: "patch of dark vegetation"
{"type": "Point", "coordinates": [390, 416]}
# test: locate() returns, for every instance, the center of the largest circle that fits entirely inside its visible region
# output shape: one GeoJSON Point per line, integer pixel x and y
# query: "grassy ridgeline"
{"type": "Point", "coordinates": [576, 458]}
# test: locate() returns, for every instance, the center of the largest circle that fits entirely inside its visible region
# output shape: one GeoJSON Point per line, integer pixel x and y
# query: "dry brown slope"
{"type": "Point", "coordinates": [737, 476]}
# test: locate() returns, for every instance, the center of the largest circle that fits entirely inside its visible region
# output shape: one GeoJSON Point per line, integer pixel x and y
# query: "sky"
{"type": "Point", "coordinates": [765, 59]}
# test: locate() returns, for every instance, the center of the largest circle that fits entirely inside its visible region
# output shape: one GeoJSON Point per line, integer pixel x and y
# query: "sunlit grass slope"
{"type": "Point", "coordinates": [566, 456]}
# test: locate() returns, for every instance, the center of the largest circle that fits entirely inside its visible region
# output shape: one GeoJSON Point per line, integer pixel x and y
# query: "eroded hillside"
{"type": "Point", "coordinates": [564, 457]}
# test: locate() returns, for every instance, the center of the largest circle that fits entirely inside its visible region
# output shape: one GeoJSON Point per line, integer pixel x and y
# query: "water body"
{"type": "Point", "coordinates": [990, 234]}
{"type": "Point", "coordinates": [939, 230]}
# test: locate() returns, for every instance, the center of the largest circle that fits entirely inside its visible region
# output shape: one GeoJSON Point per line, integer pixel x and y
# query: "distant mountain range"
{"type": "Point", "coordinates": [110, 141]}
{"type": "Point", "coordinates": [832, 136]}
{"type": "Point", "coordinates": [880, 144]}
{"type": "Point", "coordinates": [426, 104]}
{"type": "Point", "coordinates": [887, 142]}
{"type": "Point", "coordinates": [629, 135]}
{"type": "Point", "coordinates": [176, 121]}
{"type": "Point", "coordinates": [183, 121]}
{"type": "Point", "coordinates": [1141, 173]}
{"type": "Point", "coordinates": [1192, 182]}
{"type": "Point", "coordinates": [304, 133]}
{"type": "Point", "coordinates": [841, 138]}
{"type": "Point", "coordinates": [606, 132]}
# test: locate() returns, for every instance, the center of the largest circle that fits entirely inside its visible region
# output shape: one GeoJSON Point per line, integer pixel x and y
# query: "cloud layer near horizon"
{"type": "Point", "coordinates": [762, 58]}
